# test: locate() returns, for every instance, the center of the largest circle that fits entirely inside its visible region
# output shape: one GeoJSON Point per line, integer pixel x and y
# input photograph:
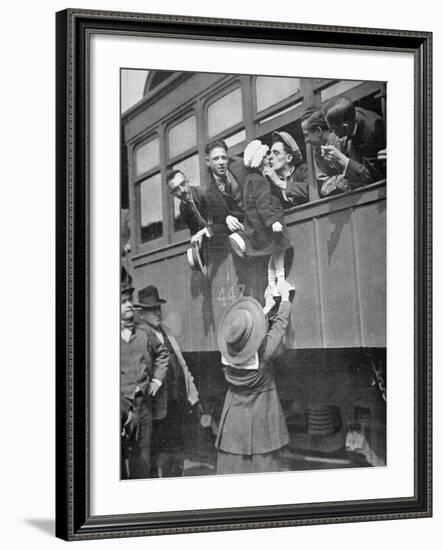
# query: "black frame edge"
{"type": "Point", "coordinates": [61, 494]}
{"type": "Point", "coordinates": [72, 508]}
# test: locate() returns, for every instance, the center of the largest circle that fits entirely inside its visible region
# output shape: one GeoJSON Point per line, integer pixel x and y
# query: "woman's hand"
{"type": "Point", "coordinates": [269, 172]}
{"type": "Point", "coordinates": [277, 227]}
{"type": "Point", "coordinates": [285, 289]}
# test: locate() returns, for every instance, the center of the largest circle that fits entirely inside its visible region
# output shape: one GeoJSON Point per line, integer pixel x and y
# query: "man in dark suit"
{"type": "Point", "coordinates": [329, 175]}
{"type": "Point", "coordinates": [176, 395]}
{"type": "Point", "coordinates": [364, 133]}
{"type": "Point", "coordinates": [225, 187]}
{"type": "Point", "coordinates": [193, 204]}
{"type": "Point", "coordinates": [143, 366]}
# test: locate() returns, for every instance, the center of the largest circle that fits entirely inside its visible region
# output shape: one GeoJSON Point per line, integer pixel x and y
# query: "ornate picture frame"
{"type": "Point", "coordinates": [74, 518]}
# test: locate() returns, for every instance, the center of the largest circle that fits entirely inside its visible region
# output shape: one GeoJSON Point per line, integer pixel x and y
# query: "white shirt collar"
{"type": "Point", "coordinates": [250, 364]}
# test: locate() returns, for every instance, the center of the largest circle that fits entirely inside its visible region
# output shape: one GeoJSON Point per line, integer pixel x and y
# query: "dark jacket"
{"type": "Point", "coordinates": [330, 179]}
{"type": "Point", "coordinates": [252, 421]}
{"type": "Point", "coordinates": [368, 138]}
{"type": "Point", "coordinates": [195, 211]}
{"type": "Point", "coordinates": [221, 205]}
{"type": "Point", "coordinates": [177, 380]}
{"type": "Point", "coordinates": [297, 187]}
{"type": "Point", "coordinates": [141, 359]}
{"type": "Point", "coordinates": [262, 209]}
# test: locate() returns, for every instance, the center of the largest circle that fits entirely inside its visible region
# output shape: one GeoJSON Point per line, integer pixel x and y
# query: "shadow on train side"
{"type": "Point", "coordinates": [333, 401]}
{"type": "Point", "coordinates": [250, 274]}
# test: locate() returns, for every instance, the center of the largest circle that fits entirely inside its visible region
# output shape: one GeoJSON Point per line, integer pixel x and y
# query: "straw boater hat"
{"type": "Point", "coordinates": [241, 330]}
{"type": "Point", "coordinates": [195, 259]}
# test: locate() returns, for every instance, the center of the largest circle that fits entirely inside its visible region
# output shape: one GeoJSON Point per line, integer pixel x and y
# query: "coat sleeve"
{"type": "Point", "coordinates": [160, 357]}
{"type": "Point", "coordinates": [269, 210]}
{"type": "Point", "coordinates": [330, 179]}
{"type": "Point", "coordinates": [358, 174]}
{"type": "Point", "coordinates": [297, 190]}
{"type": "Point", "coordinates": [368, 171]}
{"type": "Point", "coordinates": [275, 335]}
{"type": "Point", "coordinates": [191, 389]}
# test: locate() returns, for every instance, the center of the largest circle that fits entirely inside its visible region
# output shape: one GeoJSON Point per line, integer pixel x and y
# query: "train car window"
{"type": "Point", "coordinates": [225, 112]}
{"type": "Point", "coordinates": [190, 167]}
{"type": "Point", "coordinates": [238, 137]}
{"type": "Point", "coordinates": [337, 89]}
{"type": "Point", "coordinates": [270, 90]}
{"type": "Point", "coordinates": [182, 136]}
{"type": "Point", "coordinates": [147, 156]}
{"type": "Point", "coordinates": [151, 218]}
{"type": "Point", "coordinates": [280, 113]}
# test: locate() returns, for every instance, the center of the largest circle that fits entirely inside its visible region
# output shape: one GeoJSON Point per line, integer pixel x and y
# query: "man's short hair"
{"type": "Point", "coordinates": [339, 110]}
{"type": "Point", "coordinates": [171, 175]}
{"type": "Point", "coordinates": [316, 119]}
{"type": "Point", "coordinates": [214, 144]}
{"type": "Point", "coordinates": [307, 113]}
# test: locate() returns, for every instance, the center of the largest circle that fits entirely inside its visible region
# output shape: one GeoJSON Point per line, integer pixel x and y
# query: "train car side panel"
{"type": "Point", "coordinates": [337, 280]}
{"type": "Point", "coordinates": [370, 247]}
{"type": "Point", "coordinates": [306, 313]}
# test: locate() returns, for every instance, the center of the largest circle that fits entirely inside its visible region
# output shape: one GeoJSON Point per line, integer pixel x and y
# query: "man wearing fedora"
{"type": "Point", "coordinates": [288, 171]}
{"type": "Point", "coordinates": [175, 395]}
{"type": "Point", "coordinates": [252, 426]}
{"type": "Point", "coordinates": [143, 366]}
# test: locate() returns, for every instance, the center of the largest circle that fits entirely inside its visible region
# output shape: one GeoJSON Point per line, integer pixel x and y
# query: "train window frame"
{"type": "Point", "coordinates": [235, 82]}
{"type": "Point", "coordinates": [282, 104]}
{"type": "Point", "coordinates": [190, 109]}
{"type": "Point", "coordinates": [152, 136]}
{"type": "Point", "coordinates": [139, 209]}
{"type": "Point", "coordinates": [139, 246]}
{"type": "Point", "coordinates": [170, 124]}
{"type": "Point", "coordinates": [179, 235]}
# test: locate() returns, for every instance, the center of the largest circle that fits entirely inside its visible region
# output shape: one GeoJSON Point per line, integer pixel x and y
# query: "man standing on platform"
{"type": "Point", "coordinates": [143, 366]}
{"type": "Point", "coordinates": [176, 394]}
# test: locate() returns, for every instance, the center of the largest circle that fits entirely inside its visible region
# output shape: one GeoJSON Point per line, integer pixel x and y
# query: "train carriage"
{"type": "Point", "coordinates": [336, 355]}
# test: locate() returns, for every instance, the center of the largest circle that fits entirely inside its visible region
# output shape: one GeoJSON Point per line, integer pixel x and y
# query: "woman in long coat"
{"type": "Point", "coordinates": [252, 427]}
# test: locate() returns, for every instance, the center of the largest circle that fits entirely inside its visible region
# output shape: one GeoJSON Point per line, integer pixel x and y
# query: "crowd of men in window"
{"type": "Point", "coordinates": [244, 199]}
{"type": "Point", "coordinates": [349, 151]}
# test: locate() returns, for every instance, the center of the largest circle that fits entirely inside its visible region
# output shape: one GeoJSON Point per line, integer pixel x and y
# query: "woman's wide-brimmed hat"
{"type": "Point", "coordinates": [241, 330]}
